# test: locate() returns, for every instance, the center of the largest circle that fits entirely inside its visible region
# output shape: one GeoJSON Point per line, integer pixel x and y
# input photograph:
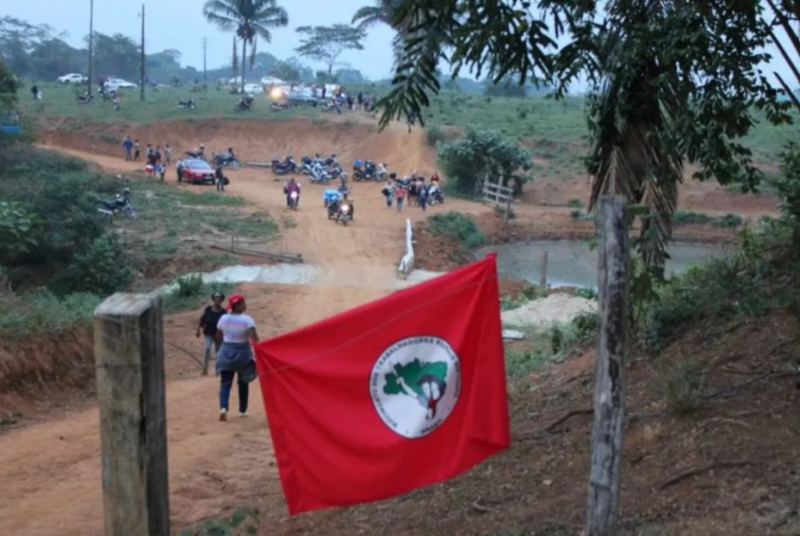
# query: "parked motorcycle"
{"type": "Point", "coordinates": [187, 105]}
{"type": "Point", "coordinates": [368, 170]}
{"type": "Point", "coordinates": [121, 204]}
{"type": "Point", "coordinates": [226, 160]}
{"type": "Point", "coordinates": [319, 174]}
{"type": "Point", "coordinates": [244, 104]}
{"type": "Point", "coordinates": [284, 167]}
{"type": "Point", "coordinates": [329, 107]}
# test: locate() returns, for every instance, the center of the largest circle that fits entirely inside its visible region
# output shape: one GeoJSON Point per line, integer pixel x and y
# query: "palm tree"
{"type": "Point", "coordinates": [250, 19]}
{"type": "Point", "coordinates": [382, 12]}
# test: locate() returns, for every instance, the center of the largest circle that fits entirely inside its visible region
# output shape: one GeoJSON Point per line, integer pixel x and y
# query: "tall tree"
{"type": "Point", "coordinates": [671, 83]}
{"type": "Point", "coordinates": [250, 19]}
{"type": "Point", "coordinates": [327, 43]}
{"type": "Point", "coordinates": [382, 12]}
{"type": "Point", "coordinates": [17, 39]}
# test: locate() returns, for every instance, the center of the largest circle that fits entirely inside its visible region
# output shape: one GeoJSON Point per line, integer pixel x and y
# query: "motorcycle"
{"type": "Point", "coordinates": [279, 106]}
{"type": "Point", "coordinates": [118, 205]}
{"type": "Point", "coordinates": [284, 167]}
{"type": "Point", "coordinates": [226, 160]}
{"type": "Point", "coordinates": [244, 104]}
{"type": "Point", "coordinates": [345, 213]}
{"type": "Point", "coordinates": [329, 107]}
{"type": "Point", "coordinates": [187, 105]}
{"type": "Point", "coordinates": [369, 171]}
{"type": "Point", "coordinates": [435, 195]}
{"type": "Point", "coordinates": [319, 174]}
{"type": "Point", "coordinates": [294, 197]}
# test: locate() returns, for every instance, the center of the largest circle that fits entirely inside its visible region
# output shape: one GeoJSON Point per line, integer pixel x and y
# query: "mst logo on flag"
{"type": "Point", "coordinates": [415, 385]}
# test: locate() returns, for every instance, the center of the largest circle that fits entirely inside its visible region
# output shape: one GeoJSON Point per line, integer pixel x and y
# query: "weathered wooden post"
{"type": "Point", "coordinates": [609, 394]}
{"type": "Point", "coordinates": [129, 357]}
{"type": "Point", "coordinates": [543, 271]}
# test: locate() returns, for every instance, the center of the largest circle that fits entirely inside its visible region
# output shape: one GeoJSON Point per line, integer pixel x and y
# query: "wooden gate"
{"type": "Point", "coordinates": [499, 196]}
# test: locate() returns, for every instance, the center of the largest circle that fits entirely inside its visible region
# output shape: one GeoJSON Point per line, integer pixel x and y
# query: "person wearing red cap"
{"type": "Point", "coordinates": [235, 356]}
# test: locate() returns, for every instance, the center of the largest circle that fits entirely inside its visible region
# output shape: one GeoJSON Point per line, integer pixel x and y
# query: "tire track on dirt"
{"type": "Point", "coordinates": [212, 465]}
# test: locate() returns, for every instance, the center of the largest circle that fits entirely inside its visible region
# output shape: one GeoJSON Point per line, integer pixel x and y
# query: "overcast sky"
{"type": "Point", "coordinates": [179, 24]}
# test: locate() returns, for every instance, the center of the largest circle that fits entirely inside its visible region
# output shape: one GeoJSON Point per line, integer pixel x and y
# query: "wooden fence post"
{"type": "Point", "coordinates": [129, 357]}
{"type": "Point", "coordinates": [609, 394]}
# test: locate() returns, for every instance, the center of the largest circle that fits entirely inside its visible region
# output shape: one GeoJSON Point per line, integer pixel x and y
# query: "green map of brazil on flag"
{"type": "Point", "coordinates": [396, 394]}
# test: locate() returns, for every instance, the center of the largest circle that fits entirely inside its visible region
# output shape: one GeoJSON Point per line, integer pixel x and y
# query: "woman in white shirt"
{"type": "Point", "coordinates": [235, 356]}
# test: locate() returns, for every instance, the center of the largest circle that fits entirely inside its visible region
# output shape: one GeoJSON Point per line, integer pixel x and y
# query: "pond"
{"type": "Point", "coordinates": [572, 263]}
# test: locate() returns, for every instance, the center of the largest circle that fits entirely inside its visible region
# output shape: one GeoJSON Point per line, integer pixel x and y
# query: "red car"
{"type": "Point", "coordinates": [195, 171]}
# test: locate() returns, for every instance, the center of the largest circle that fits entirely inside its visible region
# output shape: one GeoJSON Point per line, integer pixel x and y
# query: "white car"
{"type": "Point", "coordinates": [253, 89]}
{"type": "Point", "coordinates": [114, 84]}
{"type": "Point", "coordinates": [72, 78]}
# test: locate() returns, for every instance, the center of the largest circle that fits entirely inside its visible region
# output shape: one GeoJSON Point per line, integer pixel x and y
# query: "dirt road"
{"type": "Point", "coordinates": [51, 471]}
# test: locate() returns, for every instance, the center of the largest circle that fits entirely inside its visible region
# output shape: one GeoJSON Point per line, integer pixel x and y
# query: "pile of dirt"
{"type": "Point", "coordinates": [35, 369]}
{"type": "Point", "coordinates": [253, 140]}
{"type": "Point", "coordinates": [554, 309]}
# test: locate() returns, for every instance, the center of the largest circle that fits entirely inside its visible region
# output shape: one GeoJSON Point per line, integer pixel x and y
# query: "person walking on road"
{"type": "Point", "coordinates": [128, 146]}
{"type": "Point", "coordinates": [219, 177]}
{"type": "Point", "coordinates": [235, 356]}
{"type": "Point", "coordinates": [136, 151]}
{"type": "Point", "coordinates": [422, 195]}
{"type": "Point", "coordinates": [208, 326]}
{"type": "Point", "coordinates": [400, 194]}
{"type": "Point", "coordinates": [388, 191]}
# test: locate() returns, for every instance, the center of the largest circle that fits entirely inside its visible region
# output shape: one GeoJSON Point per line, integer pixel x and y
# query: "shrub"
{"type": "Point", "coordinates": [482, 154]}
{"type": "Point", "coordinates": [434, 136]}
{"type": "Point", "coordinates": [100, 269]}
{"type": "Point", "coordinates": [458, 226]}
{"type": "Point", "coordinates": [682, 386]}
{"type": "Point", "coordinates": [27, 314]}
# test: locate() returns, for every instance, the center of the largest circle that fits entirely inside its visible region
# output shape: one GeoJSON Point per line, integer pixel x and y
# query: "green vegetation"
{"type": "Point", "coordinates": [53, 238]}
{"type": "Point", "coordinates": [546, 346]}
{"type": "Point", "coordinates": [242, 521]}
{"type": "Point", "coordinates": [482, 155]}
{"type": "Point", "coordinates": [457, 226]}
{"type": "Point", "coordinates": [190, 291]}
{"type": "Point", "coordinates": [684, 217]}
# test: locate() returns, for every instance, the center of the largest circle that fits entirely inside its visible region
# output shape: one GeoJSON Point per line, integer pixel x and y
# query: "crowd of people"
{"type": "Point", "coordinates": [420, 193]}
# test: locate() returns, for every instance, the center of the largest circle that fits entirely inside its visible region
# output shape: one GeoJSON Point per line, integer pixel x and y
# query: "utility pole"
{"type": "Point", "coordinates": [141, 86]}
{"type": "Point", "coordinates": [205, 47]}
{"type": "Point", "coordinates": [91, 48]}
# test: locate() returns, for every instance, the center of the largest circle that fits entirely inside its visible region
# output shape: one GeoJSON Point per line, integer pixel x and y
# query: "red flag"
{"type": "Point", "coordinates": [399, 393]}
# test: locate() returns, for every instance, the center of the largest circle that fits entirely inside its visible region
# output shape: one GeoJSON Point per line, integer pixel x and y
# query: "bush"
{"type": "Point", "coordinates": [27, 314]}
{"type": "Point", "coordinates": [101, 269]}
{"type": "Point", "coordinates": [190, 291]}
{"type": "Point", "coordinates": [682, 386]}
{"type": "Point", "coordinates": [458, 226]}
{"type": "Point", "coordinates": [483, 154]}
{"type": "Point", "coordinates": [434, 136]}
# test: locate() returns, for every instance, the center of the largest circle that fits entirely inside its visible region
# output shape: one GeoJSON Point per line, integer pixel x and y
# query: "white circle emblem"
{"type": "Point", "coordinates": [415, 385]}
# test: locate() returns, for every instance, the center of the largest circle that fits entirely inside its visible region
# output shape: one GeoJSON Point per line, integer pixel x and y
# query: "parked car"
{"type": "Point", "coordinates": [114, 84]}
{"type": "Point", "coordinates": [195, 171]}
{"type": "Point", "coordinates": [300, 96]}
{"type": "Point", "coordinates": [253, 89]}
{"type": "Point", "coordinates": [72, 78]}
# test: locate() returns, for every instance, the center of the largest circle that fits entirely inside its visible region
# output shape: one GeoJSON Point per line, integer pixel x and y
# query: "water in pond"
{"type": "Point", "coordinates": [572, 263]}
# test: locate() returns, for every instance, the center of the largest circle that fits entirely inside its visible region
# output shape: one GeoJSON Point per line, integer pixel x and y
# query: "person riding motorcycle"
{"type": "Point", "coordinates": [346, 201]}
{"type": "Point", "coordinates": [291, 186]}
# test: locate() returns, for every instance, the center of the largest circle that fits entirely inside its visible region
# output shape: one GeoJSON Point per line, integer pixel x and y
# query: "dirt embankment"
{"type": "Point", "coordinates": [45, 369]}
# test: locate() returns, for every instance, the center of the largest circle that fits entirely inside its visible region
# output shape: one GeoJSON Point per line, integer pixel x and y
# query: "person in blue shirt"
{"type": "Point", "coordinates": [128, 146]}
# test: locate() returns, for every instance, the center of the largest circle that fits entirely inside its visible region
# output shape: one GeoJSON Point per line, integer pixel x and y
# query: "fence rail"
{"type": "Point", "coordinates": [237, 246]}
{"type": "Point", "coordinates": [500, 196]}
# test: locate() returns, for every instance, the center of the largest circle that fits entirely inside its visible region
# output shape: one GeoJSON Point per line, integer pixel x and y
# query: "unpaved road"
{"type": "Point", "coordinates": [50, 472]}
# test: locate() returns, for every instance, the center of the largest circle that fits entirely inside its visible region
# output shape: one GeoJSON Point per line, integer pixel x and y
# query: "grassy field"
{"type": "Point", "coordinates": [554, 131]}
{"type": "Point", "coordinates": [155, 248]}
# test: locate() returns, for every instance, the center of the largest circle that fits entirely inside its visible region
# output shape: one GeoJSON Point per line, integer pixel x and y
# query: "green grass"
{"type": "Point", "coordinates": [687, 217]}
{"type": "Point", "coordinates": [457, 226]}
